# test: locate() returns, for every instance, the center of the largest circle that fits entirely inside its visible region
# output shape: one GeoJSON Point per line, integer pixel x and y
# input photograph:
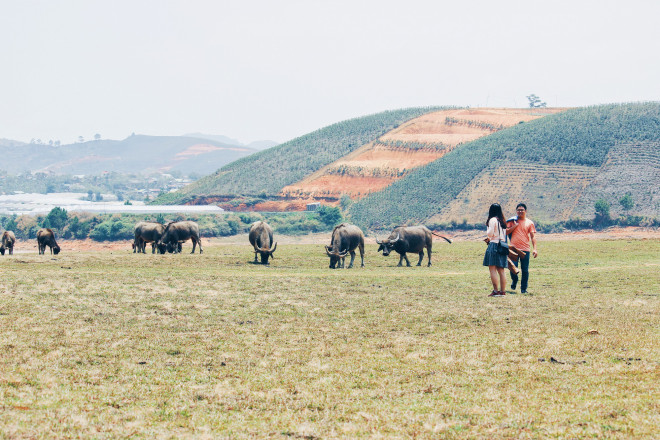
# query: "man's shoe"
{"type": "Point", "coordinates": [514, 284]}
{"type": "Point", "coordinates": [494, 293]}
{"type": "Point", "coordinates": [502, 293]}
{"type": "Point", "coordinates": [523, 291]}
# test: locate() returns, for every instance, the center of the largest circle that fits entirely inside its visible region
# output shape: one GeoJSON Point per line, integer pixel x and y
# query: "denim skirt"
{"type": "Point", "coordinates": [492, 258]}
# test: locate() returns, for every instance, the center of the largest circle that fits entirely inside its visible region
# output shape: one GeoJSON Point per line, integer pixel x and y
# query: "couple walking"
{"type": "Point", "coordinates": [522, 231]}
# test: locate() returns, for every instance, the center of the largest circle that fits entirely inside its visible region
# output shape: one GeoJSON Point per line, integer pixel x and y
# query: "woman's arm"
{"type": "Point", "coordinates": [492, 231]}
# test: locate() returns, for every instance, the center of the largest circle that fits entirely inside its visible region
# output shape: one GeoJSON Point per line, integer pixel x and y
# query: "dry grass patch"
{"type": "Point", "coordinates": [121, 345]}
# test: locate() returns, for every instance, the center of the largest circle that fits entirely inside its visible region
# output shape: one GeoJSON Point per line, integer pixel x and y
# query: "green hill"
{"type": "Point", "coordinates": [267, 172]}
{"type": "Point", "coordinates": [559, 164]}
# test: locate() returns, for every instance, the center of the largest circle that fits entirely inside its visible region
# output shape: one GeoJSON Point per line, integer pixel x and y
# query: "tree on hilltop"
{"type": "Point", "coordinates": [535, 101]}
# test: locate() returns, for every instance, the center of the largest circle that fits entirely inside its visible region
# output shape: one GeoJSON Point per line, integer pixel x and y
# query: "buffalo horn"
{"type": "Point", "coordinates": [396, 239]}
{"type": "Point", "coordinates": [273, 250]}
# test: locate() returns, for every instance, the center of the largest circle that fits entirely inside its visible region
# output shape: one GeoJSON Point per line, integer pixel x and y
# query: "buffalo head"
{"type": "Point", "coordinates": [2, 250]}
{"type": "Point", "coordinates": [265, 253]}
{"type": "Point", "coordinates": [335, 256]}
{"type": "Point", "coordinates": [387, 245]}
{"type": "Point", "coordinates": [169, 247]}
{"type": "Point", "coordinates": [56, 249]}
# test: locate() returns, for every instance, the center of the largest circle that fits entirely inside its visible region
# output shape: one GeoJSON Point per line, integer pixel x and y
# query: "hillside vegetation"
{"type": "Point", "coordinates": [577, 144]}
{"type": "Point", "coordinates": [413, 144]}
{"type": "Point", "coordinates": [267, 172]}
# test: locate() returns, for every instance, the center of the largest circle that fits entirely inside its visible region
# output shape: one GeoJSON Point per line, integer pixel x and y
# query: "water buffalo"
{"type": "Point", "coordinates": [345, 238]}
{"type": "Point", "coordinates": [147, 232]}
{"type": "Point", "coordinates": [8, 240]}
{"type": "Point", "coordinates": [405, 239]}
{"type": "Point", "coordinates": [261, 238]}
{"type": "Point", "coordinates": [46, 237]}
{"type": "Point", "coordinates": [177, 232]}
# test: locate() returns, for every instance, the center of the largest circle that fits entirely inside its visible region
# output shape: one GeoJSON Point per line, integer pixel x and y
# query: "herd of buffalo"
{"type": "Point", "coordinates": [345, 239]}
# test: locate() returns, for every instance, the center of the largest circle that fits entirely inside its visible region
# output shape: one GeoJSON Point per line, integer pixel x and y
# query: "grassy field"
{"type": "Point", "coordinates": [114, 345]}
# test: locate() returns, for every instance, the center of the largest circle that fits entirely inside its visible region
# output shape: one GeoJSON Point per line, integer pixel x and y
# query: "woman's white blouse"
{"type": "Point", "coordinates": [495, 232]}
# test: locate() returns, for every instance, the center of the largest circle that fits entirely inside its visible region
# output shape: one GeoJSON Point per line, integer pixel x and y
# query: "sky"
{"type": "Point", "coordinates": [275, 70]}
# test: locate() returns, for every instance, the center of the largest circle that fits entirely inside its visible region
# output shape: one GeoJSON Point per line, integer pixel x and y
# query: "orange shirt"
{"type": "Point", "coordinates": [520, 235]}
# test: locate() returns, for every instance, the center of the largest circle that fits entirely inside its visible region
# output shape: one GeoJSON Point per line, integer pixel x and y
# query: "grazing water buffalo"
{"type": "Point", "coordinates": [8, 240]}
{"type": "Point", "coordinates": [345, 238]}
{"type": "Point", "coordinates": [46, 237]}
{"type": "Point", "coordinates": [261, 238]}
{"type": "Point", "coordinates": [405, 239]}
{"type": "Point", "coordinates": [177, 232]}
{"type": "Point", "coordinates": [147, 232]}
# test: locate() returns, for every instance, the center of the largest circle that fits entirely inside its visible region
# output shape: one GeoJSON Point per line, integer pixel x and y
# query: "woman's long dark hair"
{"type": "Point", "coordinates": [495, 210]}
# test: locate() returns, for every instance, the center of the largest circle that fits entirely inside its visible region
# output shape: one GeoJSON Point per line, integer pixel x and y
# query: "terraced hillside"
{"type": "Point", "coordinates": [630, 168]}
{"type": "Point", "coordinates": [415, 143]}
{"type": "Point", "coordinates": [559, 165]}
{"type": "Point", "coordinates": [267, 172]}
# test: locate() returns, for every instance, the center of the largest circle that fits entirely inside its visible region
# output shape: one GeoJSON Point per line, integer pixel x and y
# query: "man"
{"type": "Point", "coordinates": [522, 231]}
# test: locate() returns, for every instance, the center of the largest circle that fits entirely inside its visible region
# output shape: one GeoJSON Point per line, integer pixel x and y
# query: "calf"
{"type": "Point", "coordinates": [46, 237]}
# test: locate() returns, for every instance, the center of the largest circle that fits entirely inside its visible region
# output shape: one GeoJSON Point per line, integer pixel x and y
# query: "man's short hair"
{"type": "Point", "coordinates": [521, 204]}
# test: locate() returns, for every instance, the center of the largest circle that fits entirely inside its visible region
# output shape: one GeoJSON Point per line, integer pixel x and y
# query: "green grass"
{"type": "Point", "coordinates": [107, 345]}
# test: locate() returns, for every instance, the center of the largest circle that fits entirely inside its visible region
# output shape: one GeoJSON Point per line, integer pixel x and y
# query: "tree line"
{"type": "Point", "coordinates": [113, 227]}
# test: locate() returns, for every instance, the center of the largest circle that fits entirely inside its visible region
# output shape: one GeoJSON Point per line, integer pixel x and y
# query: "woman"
{"type": "Point", "coordinates": [495, 261]}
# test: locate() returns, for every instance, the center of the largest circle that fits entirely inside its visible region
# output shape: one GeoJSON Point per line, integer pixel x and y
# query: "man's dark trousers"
{"type": "Point", "coordinates": [524, 268]}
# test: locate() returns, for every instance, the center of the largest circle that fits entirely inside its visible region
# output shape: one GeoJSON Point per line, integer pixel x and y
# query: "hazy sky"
{"type": "Point", "coordinates": [275, 70]}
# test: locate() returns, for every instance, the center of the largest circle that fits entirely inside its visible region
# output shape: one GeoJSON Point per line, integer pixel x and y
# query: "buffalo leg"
{"type": "Point", "coordinates": [421, 257]}
{"type": "Point", "coordinates": [255, 257]}
{"type": "Point", "coordinates": [362, 255]}
{"type": "Point", "coordinates": [352, 259]}
{"type": "Point", "coordinates": [428, 250]}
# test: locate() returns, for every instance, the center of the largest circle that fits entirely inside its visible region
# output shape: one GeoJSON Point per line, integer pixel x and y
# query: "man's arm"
{"type": "Point", "coordinates": [510, 229]}
{"type": "Point", "coordinates": [532, 235]}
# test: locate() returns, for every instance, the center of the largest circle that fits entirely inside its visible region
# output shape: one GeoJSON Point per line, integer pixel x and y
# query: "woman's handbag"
{"type": "Point", "coordinates": [502, 246]}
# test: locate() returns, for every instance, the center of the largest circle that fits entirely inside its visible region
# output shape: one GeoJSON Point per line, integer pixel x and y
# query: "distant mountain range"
{"type": "Point", "coordinates": [256, 145]}
{"type": "Point", "coordinates": [200, 154]}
